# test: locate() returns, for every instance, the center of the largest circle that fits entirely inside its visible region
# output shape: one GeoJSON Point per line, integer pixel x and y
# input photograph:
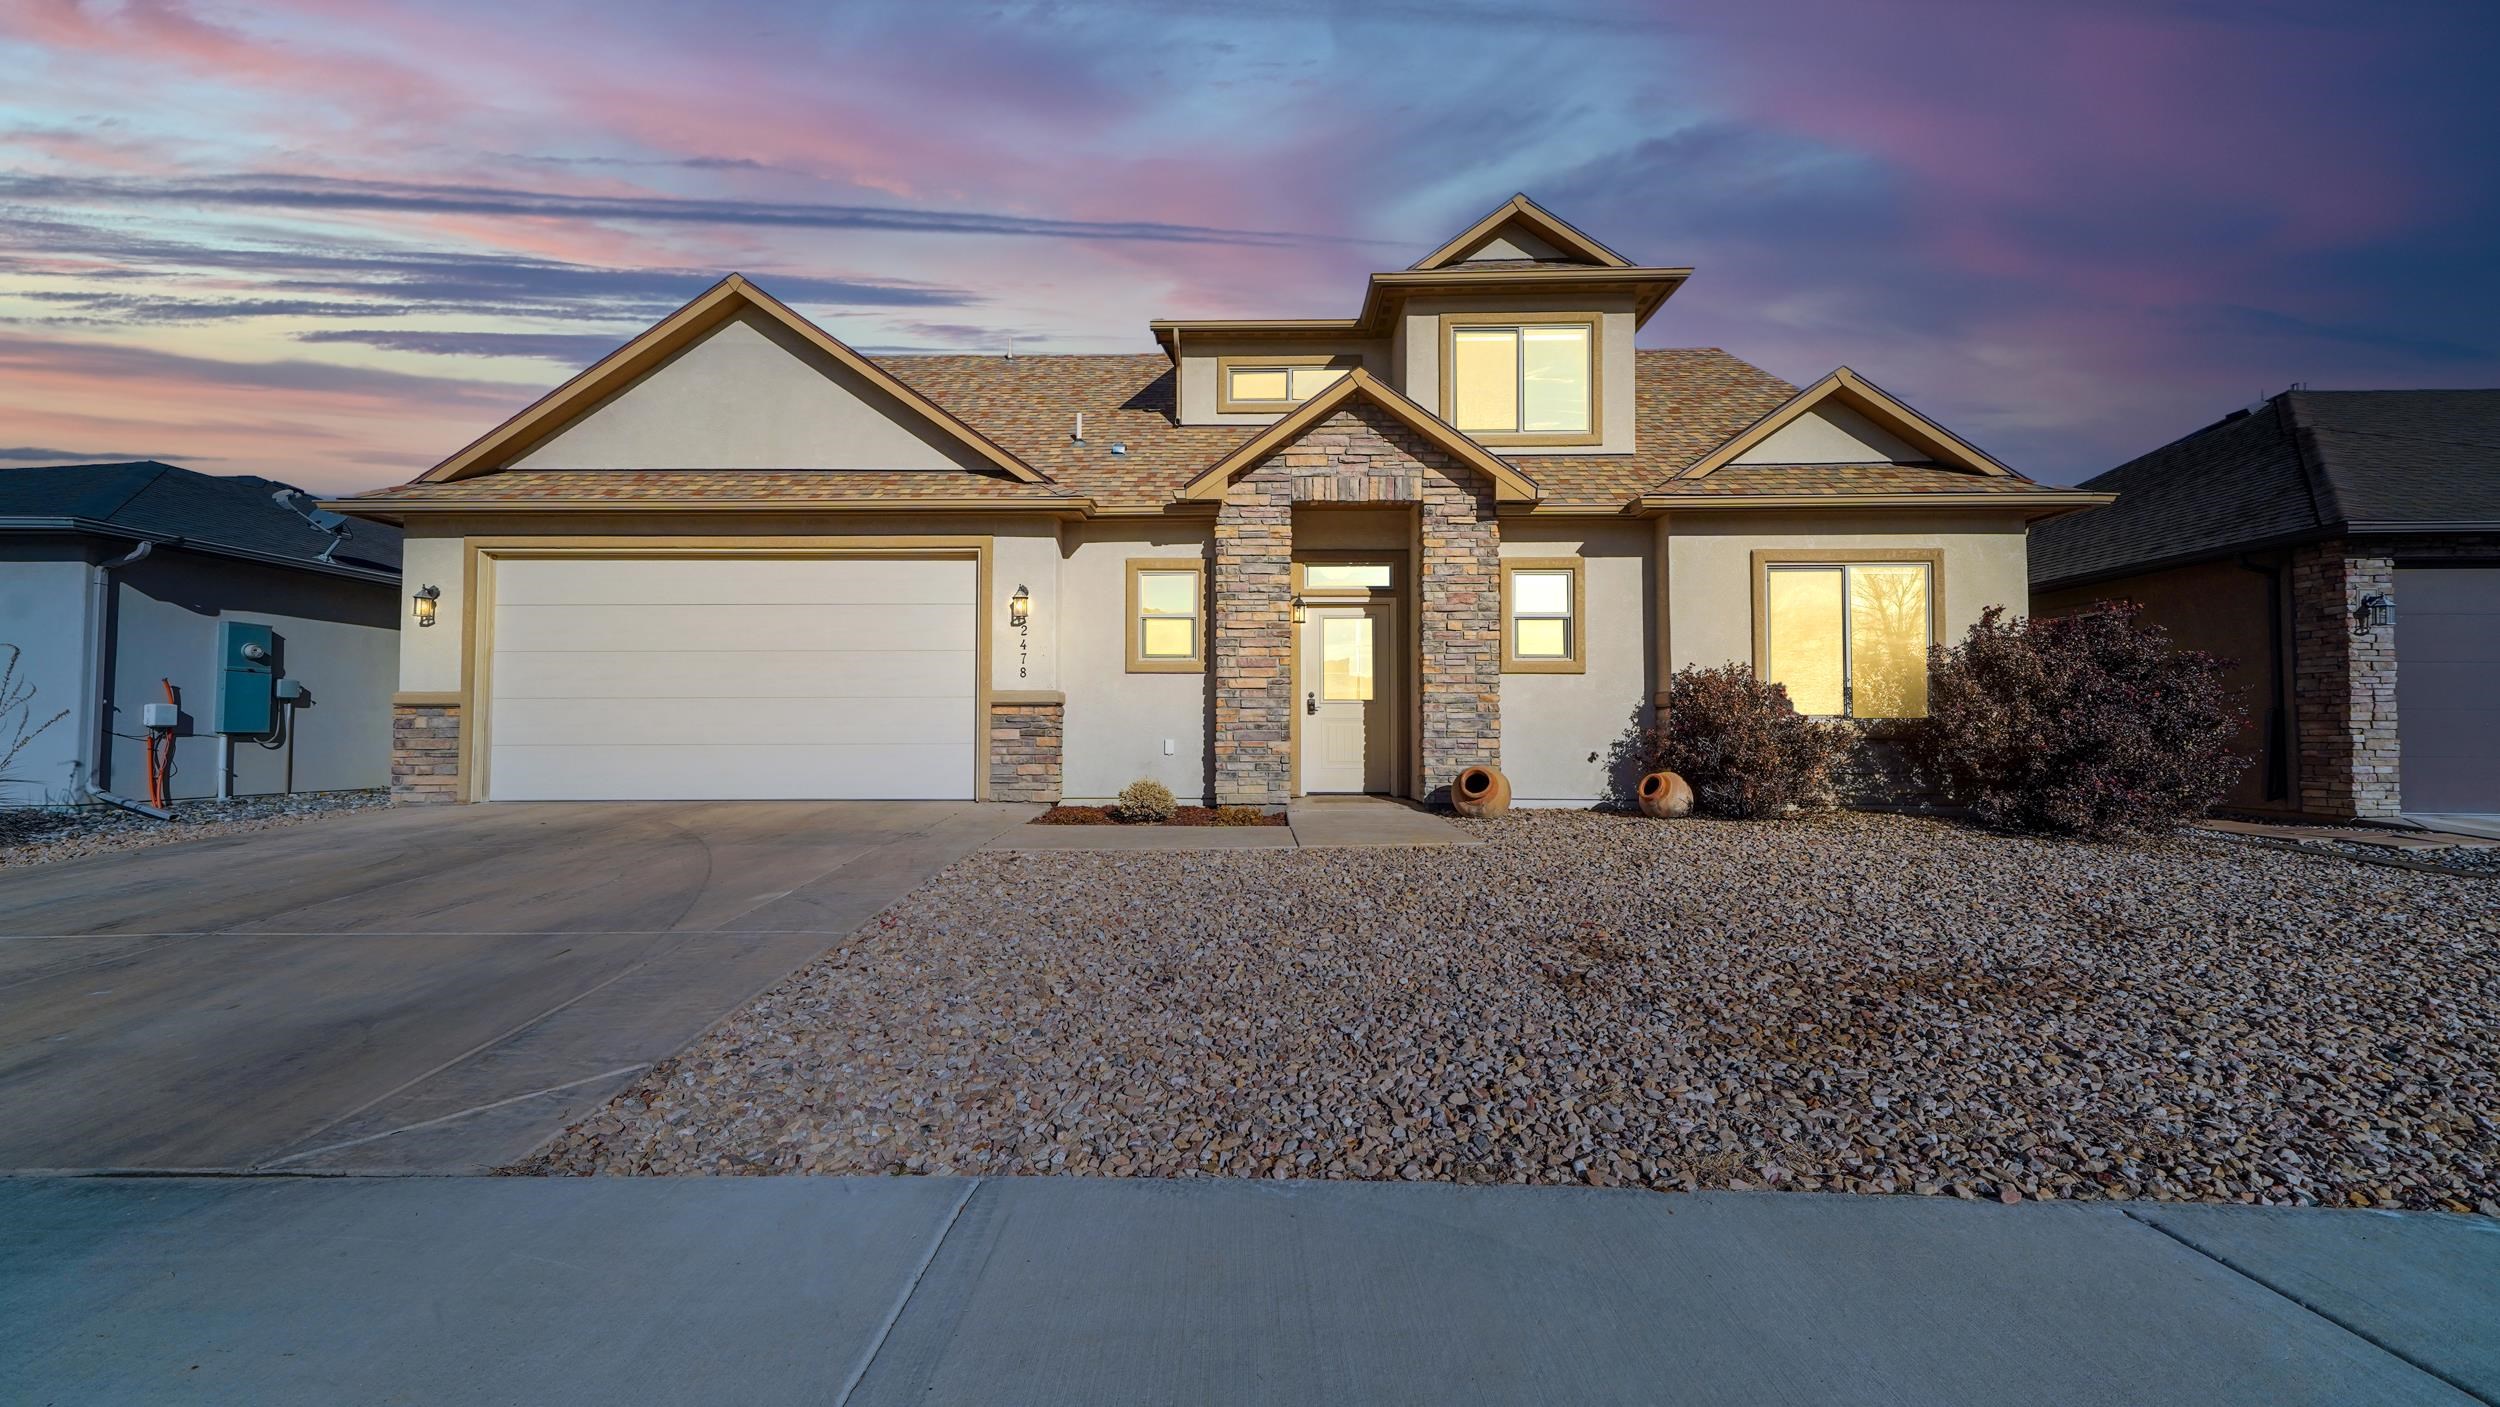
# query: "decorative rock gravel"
{"type": "Point", "coordinates": [37, 836]}
{"type": "Point", "coordinates": [1854, 1003]}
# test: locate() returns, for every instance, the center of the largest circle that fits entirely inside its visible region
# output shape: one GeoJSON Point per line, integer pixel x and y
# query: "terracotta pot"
{"type": "Point", "coordinates": [1480, 792]}
{"type": "Point", "coordinates": [1664, 794]}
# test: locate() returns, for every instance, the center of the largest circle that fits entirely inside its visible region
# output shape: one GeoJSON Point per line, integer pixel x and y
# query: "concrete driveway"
{"type": "Point", "coordinates": [419, 990]}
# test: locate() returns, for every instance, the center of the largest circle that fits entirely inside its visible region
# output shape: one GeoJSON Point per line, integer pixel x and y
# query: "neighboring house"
{"type": "Point", "coordinates": [116, 579]}
{"type": "Point", "coordinates": [2344, 548]}
{"type": "Point", "coordinates": [1468, 524]}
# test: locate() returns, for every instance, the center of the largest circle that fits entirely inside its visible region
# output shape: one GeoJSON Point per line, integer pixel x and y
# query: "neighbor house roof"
{"type": "Point", "coordinates": [2303, 466]}
{"type": "Point", "coordinates": [234, 515]}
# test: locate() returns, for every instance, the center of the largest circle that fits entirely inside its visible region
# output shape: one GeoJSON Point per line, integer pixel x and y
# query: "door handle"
{"type": "Point", "coordinates": [1310, 703]}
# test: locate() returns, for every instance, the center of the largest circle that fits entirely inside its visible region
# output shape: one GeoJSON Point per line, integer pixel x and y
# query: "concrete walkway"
{"type": "Point", "coordinates": [1060, 1290]}
{"type": "Point", "coordinates": [1312, 823]}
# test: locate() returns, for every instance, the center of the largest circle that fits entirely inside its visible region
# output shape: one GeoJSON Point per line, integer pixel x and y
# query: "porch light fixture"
{"type": "Point", "coordinates": [1297, 612]}
{"type": "Point", "coordinates": [2375, 611]}
{"type": "Point", "coordinates": [1020, 606]}
{"type": "Point", "coordinates": [425, 598]}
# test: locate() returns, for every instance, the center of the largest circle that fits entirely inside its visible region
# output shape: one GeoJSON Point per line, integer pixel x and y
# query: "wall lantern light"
{"type": "Point", "coordinates": [1020, 606]}
{"type": "Point", "coordinates": [1297, 612]}
{"type": "Point", "coordinates": [2375, 611]}
{"type": "Point", "coordinates": [425, 598]}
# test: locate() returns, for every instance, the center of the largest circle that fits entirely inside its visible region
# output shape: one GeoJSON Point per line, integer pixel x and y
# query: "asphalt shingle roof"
{"type": "Point", "coordinates": [2307, 464]}
{"type": "Point", "coordinates": [233, 511]}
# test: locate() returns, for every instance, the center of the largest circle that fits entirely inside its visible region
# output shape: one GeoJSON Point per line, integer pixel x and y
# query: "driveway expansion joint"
{"type": "Point", "coordinates": [902, 1302]}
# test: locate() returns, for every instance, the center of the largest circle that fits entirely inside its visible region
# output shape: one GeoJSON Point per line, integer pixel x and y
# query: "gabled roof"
{"type": "Point", "coordinates": [674, 333]}
{"type": "Point", "coordinates": [235, 515]}
{"type": "Point", "coordinates": [1846, 387]}
{"type": "Point", "coordinates": [1509, 485]}
{"type": "Point", "coordinates": [2304, 466]}
{"type": "Point", "coordinates": [1548, 228]}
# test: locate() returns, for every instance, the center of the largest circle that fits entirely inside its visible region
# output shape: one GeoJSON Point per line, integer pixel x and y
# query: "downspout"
{"type": "Point", "coordinates": [99, 678]}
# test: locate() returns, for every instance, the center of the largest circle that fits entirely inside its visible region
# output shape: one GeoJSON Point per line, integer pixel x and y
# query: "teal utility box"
{"type": "Point", "coordinates": [247, 678]}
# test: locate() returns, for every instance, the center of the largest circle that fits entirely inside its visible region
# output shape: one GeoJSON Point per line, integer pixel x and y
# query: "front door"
{"type": "Point", "coordinates": [1347, 734]}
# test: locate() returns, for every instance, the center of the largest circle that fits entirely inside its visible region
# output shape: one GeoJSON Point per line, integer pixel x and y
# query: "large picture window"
{"type": "Point", "coordinates": [1848, 639]}
{"type": "Point", "coordinates": [1526, 381]}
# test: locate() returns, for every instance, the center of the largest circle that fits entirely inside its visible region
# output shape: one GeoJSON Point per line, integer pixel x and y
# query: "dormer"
{"type": "Point", "coordinates": [1518, 331]}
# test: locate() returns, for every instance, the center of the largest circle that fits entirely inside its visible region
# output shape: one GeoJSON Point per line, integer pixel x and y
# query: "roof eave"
{"type": "Point", "coordinates": [97, 527]}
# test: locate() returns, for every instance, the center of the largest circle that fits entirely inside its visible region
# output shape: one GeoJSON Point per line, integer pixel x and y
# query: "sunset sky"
{"type": "Point", "coordinates": [331, 242]}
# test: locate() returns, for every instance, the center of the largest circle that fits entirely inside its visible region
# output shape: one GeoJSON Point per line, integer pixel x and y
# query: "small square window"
{"type": "Point", "coordinates": [1541, 616]}
{"type": "Point", "coordinates": [1167, 617]}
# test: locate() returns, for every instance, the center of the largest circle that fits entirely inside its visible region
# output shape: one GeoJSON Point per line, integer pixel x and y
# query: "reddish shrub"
{"type": "Point", "coordinates": [2085, 724]}
{"type": "Point", "coordinates": [1742, 747]}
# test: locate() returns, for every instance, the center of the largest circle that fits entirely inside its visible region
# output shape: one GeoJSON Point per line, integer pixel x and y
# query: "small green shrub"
{"type": "Point", "coordinates": [1240, 816]}
{"type": "Point", "coordinates": [2086, 724]}
{"type": "Point", "coordinates": [1147, 800]}
{"type": "Point", "coordinates": [1744, 750]}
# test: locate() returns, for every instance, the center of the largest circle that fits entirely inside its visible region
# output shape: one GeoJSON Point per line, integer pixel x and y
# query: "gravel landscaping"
{"type": "Point", "coordinates": [1855, 1003]}
{"type": "Point", "coordinates": [38, 836]}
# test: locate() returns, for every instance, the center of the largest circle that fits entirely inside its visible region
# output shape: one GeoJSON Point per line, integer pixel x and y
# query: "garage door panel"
{"type": "Point", "coordinates": [693, 629]}
{"type": "Point", "coordinates": [733, 773]}
{"type": "Point", "coordinates": [2448, 688]}
{"type": "Point", "coordinates": [722, 679]}
{"type": "Point", "coordinates": [887, 722]}
{"type": "Point", "coordinates": [730, 581]}
{"type": "Point", "coordinates": [748, 674]}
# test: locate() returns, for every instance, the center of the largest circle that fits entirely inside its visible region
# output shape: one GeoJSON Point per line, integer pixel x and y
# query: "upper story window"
{"type": "Point", "coordinates": [1521, 380]}
{"type": "Point", "coordinates": [1254, 384]}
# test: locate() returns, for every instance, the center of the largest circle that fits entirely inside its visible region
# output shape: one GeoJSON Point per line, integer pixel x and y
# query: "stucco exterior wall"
{"type": "Point", "coordinates": [752, 395]}
{"type": "Point", "coordinates": [334, 635]}
{"type": "Point", "coordinates": [1198, 384]}
{"type": "Point", "coordinates": [1420, 338]}
{"type": "Point", "coordinates": [1559, 731]}
{"type": "Point", "coordinates": [1709, 586]}
{"type": "Point", "coordinates": [1117, 724]}
{"type": "Point", "coordinates": [1831, 434]}
{"type": "Point", "coordinates": [43, 611]}
{"type": "Point", "coordinates": [429, 656]}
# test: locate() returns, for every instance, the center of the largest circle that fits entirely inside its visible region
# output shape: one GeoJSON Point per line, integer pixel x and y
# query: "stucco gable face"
{"type": "Point", "coordinates": [750, 394]}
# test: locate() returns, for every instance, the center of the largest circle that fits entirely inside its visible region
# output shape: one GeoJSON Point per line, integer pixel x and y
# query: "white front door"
{"type": "Point", "coordinates": [1347, 735]}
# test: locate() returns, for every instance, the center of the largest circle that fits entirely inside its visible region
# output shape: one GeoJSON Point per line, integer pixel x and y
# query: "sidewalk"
{"type": "Point", "coordinates": [1062, 1290]}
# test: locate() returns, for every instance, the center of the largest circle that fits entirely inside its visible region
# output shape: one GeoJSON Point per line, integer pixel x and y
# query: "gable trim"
{"type": "Point", "coordinates": [1509, 485]}
{"type": "Point", "coordinates": [1519, 209]}
{"type": "Point", "coordinates": [1867, 399]}
{"type": "Point", "coordinates": [707, 311]}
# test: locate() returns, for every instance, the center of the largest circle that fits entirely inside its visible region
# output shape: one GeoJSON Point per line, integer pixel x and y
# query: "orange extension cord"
{"type": "Point", "coordinates": [161, 766]}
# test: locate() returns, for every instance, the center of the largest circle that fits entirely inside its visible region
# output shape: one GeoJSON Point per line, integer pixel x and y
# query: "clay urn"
{"type": "Point", "coordinates": [1664, 794]}
{"type": "Point", "coordinates": [1479, 792]}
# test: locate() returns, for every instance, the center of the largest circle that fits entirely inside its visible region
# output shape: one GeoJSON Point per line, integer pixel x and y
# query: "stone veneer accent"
{"type": "Point", "coordinates": [2344, 685]}
{"type": "Point", "coordinates": [425, 753]}
{"type": "Point", "coordinates": [1025, 740]}
{"type": "Point", "coordinates": [1361, 454]}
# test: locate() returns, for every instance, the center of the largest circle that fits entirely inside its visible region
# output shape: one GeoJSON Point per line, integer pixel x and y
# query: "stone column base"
{"type": "Point", "coordinates": [1025, 744]}
{"type": "Point", "coordinates": [425, 753]}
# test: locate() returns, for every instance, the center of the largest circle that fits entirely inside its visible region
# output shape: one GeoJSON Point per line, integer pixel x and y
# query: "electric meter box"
{"type": "Point", "coordinates": [247, 677]}
{"type": "Point", "coordinates": [161, 716]}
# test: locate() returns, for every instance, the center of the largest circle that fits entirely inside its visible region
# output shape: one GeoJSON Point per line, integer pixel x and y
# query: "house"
{"type": "Point", "coordinates": [1468, 523]}
{"type": "Point", "coordinates": [137, 595]}
{"type": "Point", "coordinates": [2343, 547]}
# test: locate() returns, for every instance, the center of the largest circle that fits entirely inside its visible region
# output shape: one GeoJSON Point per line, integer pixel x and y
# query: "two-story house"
{"type": "Point", "coordinates": [1470, 523]}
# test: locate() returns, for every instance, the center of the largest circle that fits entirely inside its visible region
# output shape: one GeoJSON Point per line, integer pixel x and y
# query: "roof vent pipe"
{"type": "Point", "coordinates": [1079, 436]}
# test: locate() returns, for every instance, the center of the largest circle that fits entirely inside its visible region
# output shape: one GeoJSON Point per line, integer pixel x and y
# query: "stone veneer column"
{"type": "Point", "coordinates": [1359, 455]}
{"type": "Point", "coordinates": [1025, 738]}
{"type": "Point", "coordinates": [1251, 633]}
{"type": "Point", "coordinates": [2344, 685]}
{"type": "Point", "coordinates": [425, 753]}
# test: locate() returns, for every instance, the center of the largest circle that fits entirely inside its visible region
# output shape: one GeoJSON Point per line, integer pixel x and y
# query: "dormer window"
{"type": "Point", "coordinates": [1509, 379]}
{"type": "Point", "coordinates": [1254, 385]}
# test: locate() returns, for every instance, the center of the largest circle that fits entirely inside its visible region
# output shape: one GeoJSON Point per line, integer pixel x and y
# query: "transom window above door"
{"type": "Point", "coordinates": [1524, 382]}
{"type": "Point", "coordinates": [1254, 384]}
{"type": "Point", "coordinates": [1848, 639]}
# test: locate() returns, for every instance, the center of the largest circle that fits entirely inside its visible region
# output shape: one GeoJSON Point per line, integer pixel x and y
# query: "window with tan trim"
{"type": "Point", "coordinates": [1167, 616]}
{"type": "Point", "coordinates": [1255, 384]}
{"type": "Point", "coordinates": [1507, 379]}
{"type": "Point", "coordinates": [1543, 615]}
{"type": "Point", "coordinates": [1848, 636]}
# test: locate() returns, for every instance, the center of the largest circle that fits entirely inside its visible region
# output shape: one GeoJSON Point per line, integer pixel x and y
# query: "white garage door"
{"type": "Point", "coordinates": [620, 679]}
{"type": "Point", "coordinates": [2448, 688]}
